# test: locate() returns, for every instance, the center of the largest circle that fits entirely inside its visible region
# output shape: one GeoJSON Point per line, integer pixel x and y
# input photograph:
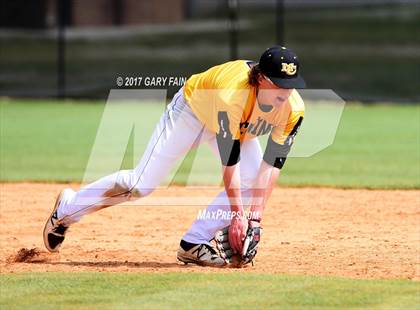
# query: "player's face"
{"type": "Point", "coordinates": [271, 94]}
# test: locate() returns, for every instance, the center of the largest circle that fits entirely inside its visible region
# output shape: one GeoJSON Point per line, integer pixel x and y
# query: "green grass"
{"type": "Point", "coordinates": [376, 146]}
{"type": "Point", "coordinates": [202, 291]}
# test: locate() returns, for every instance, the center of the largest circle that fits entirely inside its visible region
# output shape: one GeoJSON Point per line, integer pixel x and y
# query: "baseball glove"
{"type": "Point", "coordinates": [249, 250]}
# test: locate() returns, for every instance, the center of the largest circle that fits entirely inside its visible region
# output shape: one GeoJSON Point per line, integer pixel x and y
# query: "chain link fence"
{"type": "Point", "coordinates": [363, 50]}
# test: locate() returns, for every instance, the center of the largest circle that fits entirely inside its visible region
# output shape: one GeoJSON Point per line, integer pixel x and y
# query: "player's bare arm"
{"type": "Point", "coordinates": [231, 179]}
{"type": "Point", "coordinates": [262, 189]}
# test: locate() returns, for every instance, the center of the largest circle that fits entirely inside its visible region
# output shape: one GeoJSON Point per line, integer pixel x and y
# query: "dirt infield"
{"type": "Point", "coordinates": [311, 231]}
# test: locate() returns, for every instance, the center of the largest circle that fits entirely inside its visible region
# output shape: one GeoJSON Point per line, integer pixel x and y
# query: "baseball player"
{"type": "Point", "coordinates": [228, 106]}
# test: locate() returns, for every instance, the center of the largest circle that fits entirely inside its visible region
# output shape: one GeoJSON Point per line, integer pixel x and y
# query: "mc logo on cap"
{"type": "Point", "coordinates": [290, 68]}
{"type": "Point", "coordinates": [281, 66]}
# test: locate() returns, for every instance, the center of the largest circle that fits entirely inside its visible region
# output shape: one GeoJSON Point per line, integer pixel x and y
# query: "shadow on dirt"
{"type": "Point", "coordinates": [38, 256]}
{"type": "Point", "coordinates": [111, 264]}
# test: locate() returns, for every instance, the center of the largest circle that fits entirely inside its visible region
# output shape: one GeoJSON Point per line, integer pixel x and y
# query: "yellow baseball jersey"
{"type": "Point", "coordinates": [225, 88]}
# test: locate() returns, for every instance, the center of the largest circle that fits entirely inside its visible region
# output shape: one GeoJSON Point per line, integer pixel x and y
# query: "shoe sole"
{"type": "Point", "coordinates": [187, 261]}
{"type": "Point", "coordinates": [45, 232]}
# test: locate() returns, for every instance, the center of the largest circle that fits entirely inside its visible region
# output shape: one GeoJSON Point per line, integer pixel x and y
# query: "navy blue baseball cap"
{"type": "Point", "coordinates": [281, 66]}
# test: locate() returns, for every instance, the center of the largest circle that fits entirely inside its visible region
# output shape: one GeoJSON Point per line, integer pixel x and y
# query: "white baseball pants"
{"type": "Point", "coordinates": [176, 133]}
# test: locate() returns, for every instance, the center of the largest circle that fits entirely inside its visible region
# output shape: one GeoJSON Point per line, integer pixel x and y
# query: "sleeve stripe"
{"type": "Point", "coordinates": [275, 154]}
{"type": "Point", "coordinates": [296, 127]}
{"type": "Point", "coordinates": [229, 149]}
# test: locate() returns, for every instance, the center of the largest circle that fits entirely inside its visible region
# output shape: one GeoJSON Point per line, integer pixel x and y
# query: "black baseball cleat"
{"type": "Point", "coordinates": [54, 231]}
{"type": "Point", "coordinates": [199, 254]}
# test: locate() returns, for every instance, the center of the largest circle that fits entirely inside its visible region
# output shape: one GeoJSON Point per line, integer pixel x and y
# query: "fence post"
{"type": "Point", "coordinates": [61, 49]}
{"type": "Point", "coordinates": [280, 22]}
{"type": "Point", "coordinates": [233, 28]}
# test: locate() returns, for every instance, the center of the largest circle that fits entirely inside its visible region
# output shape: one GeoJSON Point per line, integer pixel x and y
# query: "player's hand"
{"type": "Point", "coordinates": [237, 233]}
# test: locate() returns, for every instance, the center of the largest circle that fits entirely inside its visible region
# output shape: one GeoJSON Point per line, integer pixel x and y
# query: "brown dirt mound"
{"type": "Point", "coordinates": [312, 231]}
{"type": "Point", "coordinates": [24, 255]}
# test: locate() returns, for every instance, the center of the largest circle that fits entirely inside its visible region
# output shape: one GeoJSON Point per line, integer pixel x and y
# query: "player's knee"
{"type": "Point", "coordinates": [248, 177]}
{"type": "Point", "coordinates": [119, 184]}
{"type": "Point", "coordinates": [130, 181]}
{"type": "Point", "coordinates": [139, 192]}
{"type": "Point", "coordinates": [248, 182]}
